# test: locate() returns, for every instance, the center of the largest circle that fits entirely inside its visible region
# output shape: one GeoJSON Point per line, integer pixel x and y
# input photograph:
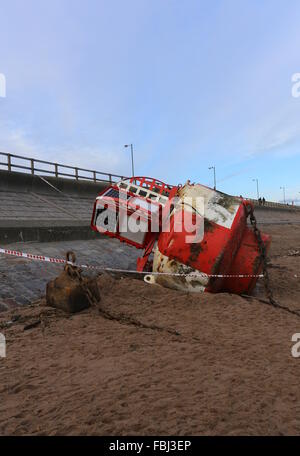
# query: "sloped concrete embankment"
{"type": "Point", "coordinates": [275, 215]}
{"type": "Point", "coordinates": [42, 208]}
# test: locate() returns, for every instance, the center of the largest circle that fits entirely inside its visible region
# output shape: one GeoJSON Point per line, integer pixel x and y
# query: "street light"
{"type": "Point", "coordinates": [215, 181]}
{"type": "Point", "coordinates": [132, 164]}
{"type": "Point", "coordinates": [283, 188]}
{"type": "Point", "coordinates": [257, 189]}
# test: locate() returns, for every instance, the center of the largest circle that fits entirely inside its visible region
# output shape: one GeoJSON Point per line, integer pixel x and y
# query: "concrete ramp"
{"type": "Point", "coordinates": [276, 215]}
{"type": "Point", "coordinates": [41, 208]}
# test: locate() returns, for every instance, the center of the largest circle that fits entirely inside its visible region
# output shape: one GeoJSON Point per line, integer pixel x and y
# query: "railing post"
{"type": "Point", "coordinates": [9, 162]}
{"type": "Point", "coordinates": [56, 171]}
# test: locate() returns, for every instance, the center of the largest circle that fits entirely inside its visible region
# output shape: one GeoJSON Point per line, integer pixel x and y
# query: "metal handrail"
{"type": "Point", "coordinates": [56, 172]}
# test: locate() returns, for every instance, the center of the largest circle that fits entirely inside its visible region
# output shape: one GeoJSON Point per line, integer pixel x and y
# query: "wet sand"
{"type": "Point", "coordinates": [166, 363]}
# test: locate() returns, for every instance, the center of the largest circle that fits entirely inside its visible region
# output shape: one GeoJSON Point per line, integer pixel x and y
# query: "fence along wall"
{"type": "Point", "coordinates": [11, 162]}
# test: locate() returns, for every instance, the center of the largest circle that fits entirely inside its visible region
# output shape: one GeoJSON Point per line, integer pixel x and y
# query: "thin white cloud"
{"type": "Point", "coordinates": [279, 138]}
{"type": "Point", "coordinates": [19, 142]}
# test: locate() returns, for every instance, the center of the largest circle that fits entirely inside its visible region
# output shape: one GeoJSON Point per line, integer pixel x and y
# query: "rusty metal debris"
{"type": "Point", "coordinates": [70, 291]}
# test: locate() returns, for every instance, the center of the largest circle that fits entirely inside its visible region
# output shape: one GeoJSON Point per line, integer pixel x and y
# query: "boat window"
{"type": "Point", "coordinates": [142, 193]}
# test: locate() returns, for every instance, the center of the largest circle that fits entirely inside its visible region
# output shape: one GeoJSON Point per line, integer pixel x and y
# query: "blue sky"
{"type": "Point", "coordinates": [190, 83]}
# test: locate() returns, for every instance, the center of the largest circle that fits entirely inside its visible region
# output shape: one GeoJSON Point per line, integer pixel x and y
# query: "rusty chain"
{"type": "Point", "coordinates": [76, 274]}
{"type": "Point", "coordinates": [263, 254]}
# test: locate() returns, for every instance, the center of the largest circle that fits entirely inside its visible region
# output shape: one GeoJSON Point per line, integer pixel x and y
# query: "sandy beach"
{"type": "Point", "coordinates": [164, 363]}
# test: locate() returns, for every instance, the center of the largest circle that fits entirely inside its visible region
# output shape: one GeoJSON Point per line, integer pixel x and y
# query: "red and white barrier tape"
{"type": "Point", "coordinates": [34, 257]}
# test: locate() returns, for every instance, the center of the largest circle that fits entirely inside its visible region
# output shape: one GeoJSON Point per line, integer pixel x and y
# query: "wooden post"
{"type": "Point", "coordinates": [94, 175]}
{"type": "Point", "coordinates": [32, 165]}
{"type": "Point", "coordinates": [76, 173]}
{"type": "Point", "coordinates": [9, 162]}
{"type": "Point", "coordinates": [56, 169]}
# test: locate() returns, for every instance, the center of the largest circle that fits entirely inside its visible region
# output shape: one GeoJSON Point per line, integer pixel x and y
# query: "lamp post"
{"type": "Point", "coordinates": [257, 188]}
{"type": "Point", "coordinates": [132, 163]}
{"type": "Point", "coordinates": [283, 189]}
{"type": "Point", "coordinates": [215, 180]}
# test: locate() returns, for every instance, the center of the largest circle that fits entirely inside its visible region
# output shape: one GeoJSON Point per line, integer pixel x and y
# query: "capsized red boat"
{"type": "Point", "coordinates": [197, 238]}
